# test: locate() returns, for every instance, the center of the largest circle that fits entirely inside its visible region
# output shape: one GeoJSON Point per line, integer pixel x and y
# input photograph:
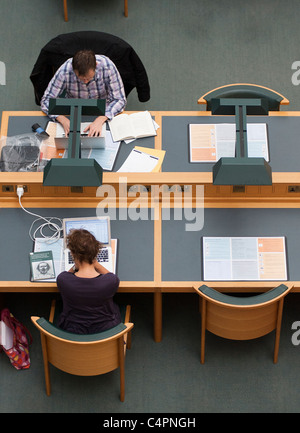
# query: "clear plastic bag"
{"type": "Point", "coordinates": [20, 153]}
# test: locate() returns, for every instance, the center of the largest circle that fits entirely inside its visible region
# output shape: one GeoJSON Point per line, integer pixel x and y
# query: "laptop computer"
{"type": "Point", "coordinates": [61, 141]}
{"type": "Point", "coordinates": [100, 228]}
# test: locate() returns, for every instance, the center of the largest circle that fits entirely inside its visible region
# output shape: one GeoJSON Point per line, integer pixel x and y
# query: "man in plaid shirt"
{"type": "Point", "coordinates": [87, 76]}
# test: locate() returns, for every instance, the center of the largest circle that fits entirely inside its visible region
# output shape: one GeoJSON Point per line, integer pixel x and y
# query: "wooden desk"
{"type": "Point", "coordinates": [172, 136]}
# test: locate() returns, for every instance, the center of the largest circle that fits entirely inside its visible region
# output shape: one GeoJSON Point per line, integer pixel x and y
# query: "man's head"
{"type": "Point", "coordinates": [84, 65]}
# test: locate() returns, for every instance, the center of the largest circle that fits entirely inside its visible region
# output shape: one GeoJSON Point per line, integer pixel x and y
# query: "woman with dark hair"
{"type": "Point", "coordinates": [87, 290]}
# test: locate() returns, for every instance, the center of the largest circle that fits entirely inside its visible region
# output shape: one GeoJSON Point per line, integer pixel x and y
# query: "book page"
{"type": "Point", "coordinates": [202, 139]}
{"type": "Point", "coordinates": [244, 258]}
{"type": "Point", "coordinates": [272, 258]}
{"type": "Point", "coordinates": [130, 126]}
{"type": "Point", "coordinates": [257, 139]}
{"type": "Point", "coordinates": [142, 124]}
{"type": "Point", "coordinates": [210, 142]}
{"type": "Point", "coordinates": [121, 128]}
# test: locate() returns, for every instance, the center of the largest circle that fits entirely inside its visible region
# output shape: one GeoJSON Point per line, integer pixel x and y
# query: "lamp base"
{"type": "Point", "coordinates": [72, 172]}
{"type": "Point", "coordinates": [242, 171]}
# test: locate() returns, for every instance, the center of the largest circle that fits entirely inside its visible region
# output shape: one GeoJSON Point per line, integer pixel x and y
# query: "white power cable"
{"type": "Point", "coordinates": [56, 227]}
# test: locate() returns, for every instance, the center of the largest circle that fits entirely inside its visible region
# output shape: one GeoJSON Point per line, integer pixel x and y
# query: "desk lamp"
{"type": "Point", "coordinates": [241, 170]}
{"type": "Point", "coordinates": [74, 170]}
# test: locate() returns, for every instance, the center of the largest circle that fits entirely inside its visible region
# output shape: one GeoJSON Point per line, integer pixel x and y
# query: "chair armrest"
{"type": "Point", "coordinates": [243, 300]}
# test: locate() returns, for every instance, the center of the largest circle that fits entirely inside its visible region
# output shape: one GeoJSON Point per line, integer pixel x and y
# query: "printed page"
{"type": "Point", "coordinates": [225, 139]}
{"type": "Point", "coordinates": [272, 258]}
{"type": "Point", "coordinates": [244, 258]}
{"type": "Point", "coordinates": [106, 157]}
{"type": "Point", "coordinates": [202, 139]}
{"type": "Point", "coordinates": [257, 139]}
{"type": "Point", "coordinates": [142, 124]}
{"type": "Point", "coordinates": [138, 161]}
{"type": "Point", "coordinates": [216, 258]}
{"type": "Point", "coordinates": [210, 142]}
{"type": "Point", "coordinates": [121, 128]}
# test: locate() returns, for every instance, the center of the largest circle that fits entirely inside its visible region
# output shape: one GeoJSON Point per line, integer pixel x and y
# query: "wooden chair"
{"type": "Point", "coordinates": [84, 355]}
{"type": "Point", "coordinates": [66, 9]}
{"type": "Point", "coordinates": [244, 90]}
{"type": "Point", "coordinates": [241, 318]}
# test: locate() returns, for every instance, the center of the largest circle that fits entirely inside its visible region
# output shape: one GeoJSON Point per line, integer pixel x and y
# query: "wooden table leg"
{"type": "Point", "coordinates": [65, 10]}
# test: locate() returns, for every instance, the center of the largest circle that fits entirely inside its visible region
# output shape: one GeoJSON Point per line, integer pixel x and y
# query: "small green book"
{"type": "Point", "coordinates": [42, 265]}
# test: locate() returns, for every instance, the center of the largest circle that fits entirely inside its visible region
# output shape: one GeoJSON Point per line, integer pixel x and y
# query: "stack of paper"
{"type": "Point", "coordinates": [142, 159]}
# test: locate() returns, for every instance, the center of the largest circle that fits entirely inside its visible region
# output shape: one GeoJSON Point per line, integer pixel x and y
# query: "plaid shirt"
{"type": "Point", "coordinates": [106, 84]}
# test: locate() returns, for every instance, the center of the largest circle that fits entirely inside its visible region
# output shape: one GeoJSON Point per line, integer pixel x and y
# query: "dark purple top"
{"type": "Point", "coordinates": [88, 305]}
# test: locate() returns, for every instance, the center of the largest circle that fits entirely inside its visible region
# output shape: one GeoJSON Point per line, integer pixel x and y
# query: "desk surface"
{"type": "Point", "coordinates": [283, 138]}
{"type": "Point", "coordinates": [135, 261]}
{"type": "Point", "coordinates": [182, 250]}
{"type": "Point", "coordinates": [22, 125]}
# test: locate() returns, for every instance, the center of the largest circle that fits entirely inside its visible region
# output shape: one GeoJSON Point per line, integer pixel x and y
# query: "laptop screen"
{"type": "Point", "coordinates": [99, 227]}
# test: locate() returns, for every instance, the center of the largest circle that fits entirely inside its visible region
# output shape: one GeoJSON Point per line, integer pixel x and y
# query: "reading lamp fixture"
{"type": "Point", "coordinates": [241, 170]}
{"type": "Point", "coordinates": [74, 170]}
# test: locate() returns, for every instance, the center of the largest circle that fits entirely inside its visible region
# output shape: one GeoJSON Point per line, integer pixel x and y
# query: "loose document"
{"type": "Point", "coordinates": [244, 258]}
{"type": "Point", "coordinates": [210, 142]}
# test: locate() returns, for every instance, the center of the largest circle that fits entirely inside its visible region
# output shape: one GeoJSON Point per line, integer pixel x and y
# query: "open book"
{"type": "Point", "coordinates": [131, 126]}
{"type": "Point", "coordinates": [210, 142]}
{"type": "Point", "coordinates": [244, 258]}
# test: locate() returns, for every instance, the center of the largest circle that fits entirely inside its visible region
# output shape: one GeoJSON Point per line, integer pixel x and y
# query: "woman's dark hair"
{"type": "Point", "coordinates": [83, 245]}
{"type": "Point", "coordinates": [83, 61]}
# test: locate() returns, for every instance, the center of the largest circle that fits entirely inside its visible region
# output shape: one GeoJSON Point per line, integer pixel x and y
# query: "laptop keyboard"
{"type": "Point", "coordinates": [102, 256]}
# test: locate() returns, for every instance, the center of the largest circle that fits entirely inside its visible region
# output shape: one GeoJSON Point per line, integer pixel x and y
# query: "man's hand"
{"type": "Point", "coordinates": [65, 122]}
{"type": "Point", "coordinates": [95, 128]}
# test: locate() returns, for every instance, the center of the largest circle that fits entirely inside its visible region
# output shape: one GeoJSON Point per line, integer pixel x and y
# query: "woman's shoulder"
{"type": "Point", "coordinates": [111, 278]}
{"type": "Point", "coordinates": [64, 275]}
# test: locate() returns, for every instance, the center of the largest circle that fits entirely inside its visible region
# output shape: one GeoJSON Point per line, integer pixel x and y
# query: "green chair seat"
{"type": "Point", "coordinates": [239, 300]}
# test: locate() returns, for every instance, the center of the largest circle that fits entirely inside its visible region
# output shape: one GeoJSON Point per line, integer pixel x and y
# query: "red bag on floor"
{"type": "Point", "coordinates": [19, 353]}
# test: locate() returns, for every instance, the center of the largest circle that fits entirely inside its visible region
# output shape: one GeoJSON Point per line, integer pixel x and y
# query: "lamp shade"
{"type": "Point", "coordinates": [72, 172]}
{"type": "Point", "coordinates": [242, 171]}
